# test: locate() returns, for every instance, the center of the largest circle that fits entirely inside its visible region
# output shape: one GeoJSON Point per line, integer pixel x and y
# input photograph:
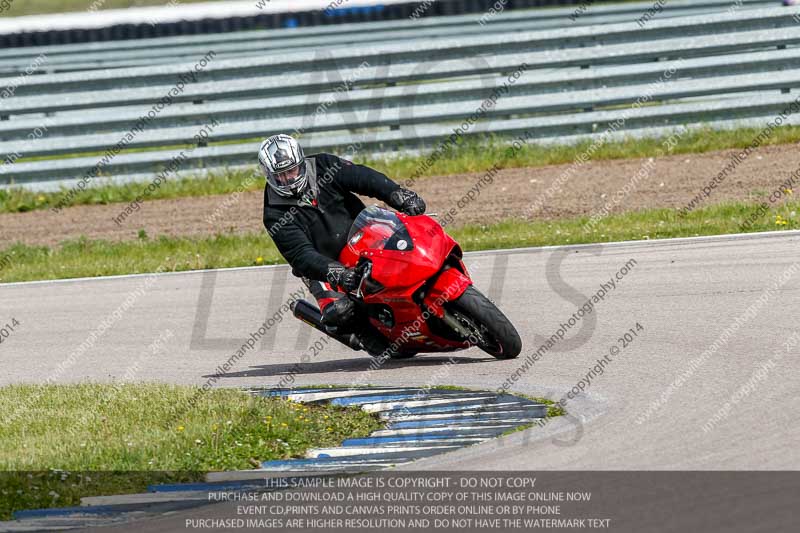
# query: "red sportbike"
{"type": "Point", "coordinates": [415, 289]}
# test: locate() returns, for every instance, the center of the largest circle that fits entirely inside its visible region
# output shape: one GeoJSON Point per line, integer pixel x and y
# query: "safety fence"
{"type": "Point", "coordinates": [389, 86]}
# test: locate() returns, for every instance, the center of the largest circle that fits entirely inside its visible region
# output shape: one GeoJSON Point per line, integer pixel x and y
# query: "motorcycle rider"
{"type": "Point", "coordinates": [310, 204]}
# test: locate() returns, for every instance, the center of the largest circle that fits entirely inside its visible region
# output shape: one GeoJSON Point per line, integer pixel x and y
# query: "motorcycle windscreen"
{"type": "Point", "coordinates": [378, 229]}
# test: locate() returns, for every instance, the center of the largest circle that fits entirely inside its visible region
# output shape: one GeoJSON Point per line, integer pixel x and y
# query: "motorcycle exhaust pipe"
{"type": "Point", "coordinates": [309, 314]}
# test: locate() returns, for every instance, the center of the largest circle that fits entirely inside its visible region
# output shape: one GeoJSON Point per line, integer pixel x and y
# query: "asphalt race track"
{"type": "Point", "coordinates": [645, 412]}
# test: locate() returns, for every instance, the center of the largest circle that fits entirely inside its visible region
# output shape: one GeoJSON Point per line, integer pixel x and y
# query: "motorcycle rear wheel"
{"type": "Point", "coordinates": [495, 333]}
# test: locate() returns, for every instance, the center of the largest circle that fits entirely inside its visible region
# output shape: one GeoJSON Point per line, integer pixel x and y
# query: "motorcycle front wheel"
{"type": "Point", "coordinates": [490, 329]}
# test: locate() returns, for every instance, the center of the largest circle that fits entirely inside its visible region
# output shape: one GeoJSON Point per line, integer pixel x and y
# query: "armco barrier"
{"type": "Point", "coordinates": [571, 82]}
{"type": "Point", "coordinates": [314, 15]}
{"type": "Point", "coordinates": [117, 54]}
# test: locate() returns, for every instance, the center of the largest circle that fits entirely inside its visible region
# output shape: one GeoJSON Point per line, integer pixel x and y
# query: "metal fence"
{"type": "Point", "coordinates": [393, 86]}
{"type": "Point", "coordinates": [129, 53]}
{"type": "Point", "coordinates": [233, 16]}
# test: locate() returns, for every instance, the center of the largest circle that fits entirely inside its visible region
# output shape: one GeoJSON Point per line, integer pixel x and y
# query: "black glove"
{"type": "Point", "coordinates": [340, 276]}
{"type": "Point", "coordinates": [407, 202]}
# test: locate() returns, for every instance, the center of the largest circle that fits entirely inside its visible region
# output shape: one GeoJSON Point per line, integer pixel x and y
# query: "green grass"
{"type": "Point", "coordinates": [17, 200]}
{"type": "Point", "coordinates": [638, 225]}
{"type": "Point", "coordinates": [479, 156]}
{"type": "Point", "coordinates": [37, 7]}
{"type": "Point", "coordinates": [62, 442]}
{"type": "Point", "coordinates": [90, 258]}
{"type": "Point", "coordinates": [34, 7]}
{"type": "Point", "coordinates": [470, 156]}
{"type": "Point", "coordinates": [553, 410]}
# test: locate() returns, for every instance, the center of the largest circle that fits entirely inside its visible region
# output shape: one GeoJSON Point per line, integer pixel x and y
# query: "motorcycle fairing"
{"type": "Point", "coordinates": [449, 285]}
{"type": "Point", "coordinates": [425, 274]}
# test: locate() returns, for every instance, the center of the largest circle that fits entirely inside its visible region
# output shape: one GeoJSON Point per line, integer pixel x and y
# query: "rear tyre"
{"type": "Point", "coordinates": [495, 333]}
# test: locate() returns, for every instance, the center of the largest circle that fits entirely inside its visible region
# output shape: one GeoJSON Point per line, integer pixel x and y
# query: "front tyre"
{"type": "Point", "coordinates": [495, 334]}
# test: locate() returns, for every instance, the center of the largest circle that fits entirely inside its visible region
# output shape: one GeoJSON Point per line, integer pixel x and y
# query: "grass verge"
{"type": "Point", "coordinates": [85, 258]}
{"type": "Point", "coordinates": [17, 200]}
{"type": "Point", "coordinates": [37, 7]}
{"type": "Point", "coordinates": [63, 442]}
{"type": "Point", "coordinates": [470, 156]}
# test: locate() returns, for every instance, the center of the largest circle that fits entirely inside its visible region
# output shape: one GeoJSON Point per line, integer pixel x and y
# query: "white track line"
{"type": "Point", "coordinates": [387, 415]}
{"type": "Point", "coordinates": [145, 498]}
{"type": "Point", "coordinates": [650, 242]}
{"type": "Point", "coordinates": [485, 414]}
{"type": "Point", "coordinates": [347, 393]}
{"type": "Point", "coordinates": [346, 451]}
{"type": "Point", "coordinates": [439, 429]}
{"type": "Point", "coordinates": [410, 404]}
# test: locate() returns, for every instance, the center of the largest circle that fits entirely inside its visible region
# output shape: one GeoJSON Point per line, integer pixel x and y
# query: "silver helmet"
{"type": "Point", "coordinates": [284, 165]}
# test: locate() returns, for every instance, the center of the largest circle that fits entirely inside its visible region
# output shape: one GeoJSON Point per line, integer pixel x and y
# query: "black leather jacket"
{"type": "Point", "coordinates": [311, 231]}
